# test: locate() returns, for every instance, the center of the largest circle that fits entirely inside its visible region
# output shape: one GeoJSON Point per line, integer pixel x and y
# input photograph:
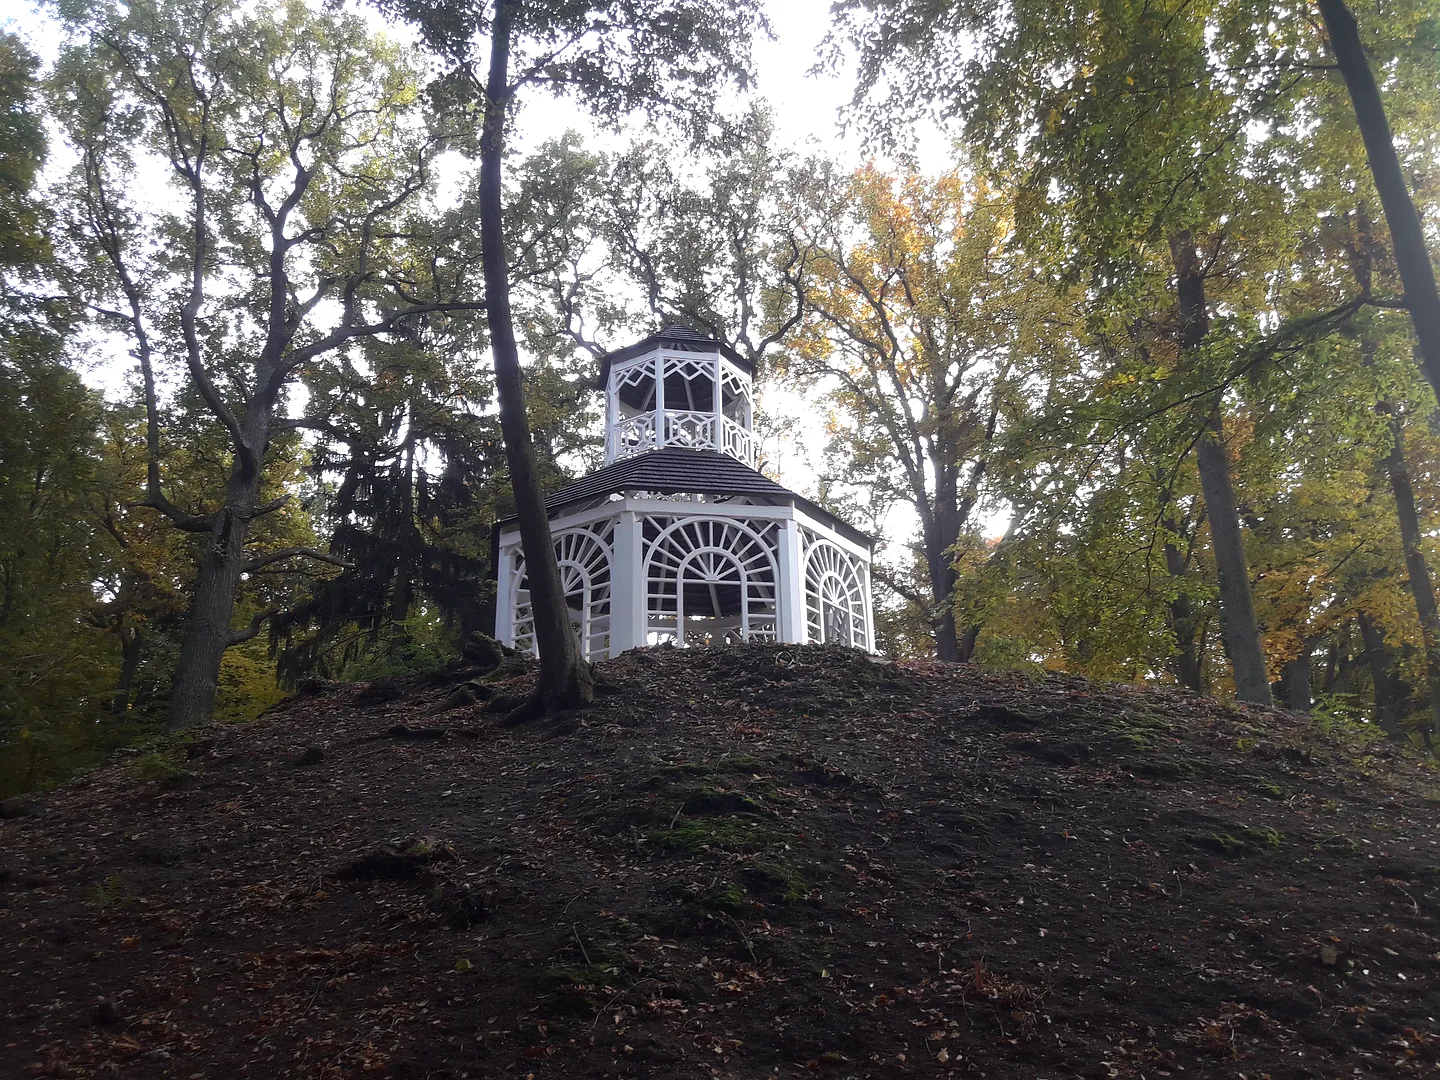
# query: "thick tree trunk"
{"type": "Point", "coordinates": [207, 627]}
{"type": "Point", "coordinates": [565, 680]}
{"type": "Point", "coordinates": [1241, 632]}
{"type": "Point", "coordinates": [942, 593]}
{"type": "Point", "coordinates": [1421, 587]}
{"type": "Point", "coordinates": [1407, 236]}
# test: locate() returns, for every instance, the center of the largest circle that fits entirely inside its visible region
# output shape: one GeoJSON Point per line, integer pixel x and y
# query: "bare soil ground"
{"type": "Point", "coordinates": [743, 862]}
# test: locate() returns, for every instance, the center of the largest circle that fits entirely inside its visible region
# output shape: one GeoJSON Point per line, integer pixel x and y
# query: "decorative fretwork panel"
{"type": "Point", "coordinates": [737, 441]}
{"type": "Point", "coordinates": [834, 594]}
{"type": "Point", "coordinates": [586, 565]}
{"type": "Point", "coordinates": [693, 429]}
{"type": "Point", "coordinates": [710, 579]}
{"type": "Point", "coordinates": [635, 434]}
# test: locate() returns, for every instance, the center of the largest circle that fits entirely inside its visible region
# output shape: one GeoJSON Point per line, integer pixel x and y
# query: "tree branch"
{"type": "Point", "coordinates": [290, 552]}
{"type": "Point", "coordinates": [253, 630]}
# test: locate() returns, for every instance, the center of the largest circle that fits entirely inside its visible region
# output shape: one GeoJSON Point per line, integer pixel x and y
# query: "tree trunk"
{"type": "Point", "coordinates": [1419, 573]}
{"type": "Point", "coordinates": [1382, 676]}
{"type": "Point", "coordinates": [565, 680]}
{"type": "Point", "coordinates": [942, 592]}
{"type": "Point", "coordinates": [132, 644]}
{"type": "Point", "coordinates": [207, 626]}
{"type": "Point", "coordinates": [1241, 633]}
{"type": "Point", "coordinates": [1295, 682]}
{"type": "Point", "coordinates": [1184, 624]}
{"type": "Point", "coordinates": [966, 643]}
{"type": "Point", "coordinates": [1407, 235]}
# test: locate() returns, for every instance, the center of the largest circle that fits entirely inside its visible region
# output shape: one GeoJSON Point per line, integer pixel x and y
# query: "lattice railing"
{"type": "Point", "coordinates": [693, 429]}
{"type": "Point", "coordinates": [737, 441]}
{"type": "Point", "coordinates": [635, 434]}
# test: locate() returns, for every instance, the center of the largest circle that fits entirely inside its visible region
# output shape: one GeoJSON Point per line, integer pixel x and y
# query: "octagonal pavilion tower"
{"type": "Point", "coordinates": [678, 537]}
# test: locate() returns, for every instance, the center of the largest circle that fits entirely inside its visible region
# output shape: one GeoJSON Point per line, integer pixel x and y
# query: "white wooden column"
{"type": "Point", "coordinates": [505, 595]}
{"type": "Point", "coordinates": [627, 586]}
{"type": "Point", "coordinates": [659, 398]}
{"type": "Point", "coordinates": [869, 606]}
{"type": "Point", "coordinates": [612, 417]}
{"type": "Point", "coordinates": [791, 600]}
{"type": "Point", "coordinates": [717, 428]}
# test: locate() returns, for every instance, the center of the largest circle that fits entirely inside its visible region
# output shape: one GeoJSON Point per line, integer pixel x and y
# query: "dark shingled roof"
{"type": "Point", "coordinates": [674, 469]}
{"type": "Point", "coordinates": [673, 337]}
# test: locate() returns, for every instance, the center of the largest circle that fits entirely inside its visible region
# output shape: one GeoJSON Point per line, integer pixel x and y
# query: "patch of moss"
{"type": "Point", "coordinates": [775, 879]}
{"type": "Point", "coordinates": [740, 833]}
{"type": "Point", "coordinates": [1243, 841]}
{"type": "Point", "coordinates": [579, 987]}
{"type": "Point", "coordinates": [1168, 769]}
{"type": "Point", "coordinates": [727, 897]}
{"type": "Point", "coordinates": [1340, 846]}
{"type": "Point", "coordinates": [1129, 739]}
{"type": "Point", "coordinates": [110, 893]}
{"type": "Point", "coordinates": [1270, 791]}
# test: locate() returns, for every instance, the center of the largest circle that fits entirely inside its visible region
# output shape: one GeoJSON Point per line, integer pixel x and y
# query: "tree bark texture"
{"type": "Point", "coordinates": [1295, 682]}
{"type": "Point", "coordinates": [1418, 571]}
{"type": "Point", "coordinates": [943, 579]}
{"type": "Point", "coordinates": [221, 562]}
{"type": "Point", "coordinates": [1407, 236]}
{"type": "Point", "coordinates": [1237, 607]}
{"type": "Point", "coordinates": [565, 680]}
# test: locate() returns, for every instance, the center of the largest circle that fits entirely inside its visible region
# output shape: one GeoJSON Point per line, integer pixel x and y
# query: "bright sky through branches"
{"type": "Point", "coordinates": [806, 110]}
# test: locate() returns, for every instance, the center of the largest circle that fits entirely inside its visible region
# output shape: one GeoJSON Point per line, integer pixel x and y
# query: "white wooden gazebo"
{"type": "Point", "coordinates": [678, 537]}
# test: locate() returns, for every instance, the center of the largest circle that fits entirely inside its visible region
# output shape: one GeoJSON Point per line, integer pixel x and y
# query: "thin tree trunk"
{"type": "Point", "coordinates": [1241, 632]}
{"type": "Point", "coordinates": [565, 680]}
{"type": "Point", "coordinates": [1184, 624]}
{"type": "Point", "coordinates": [1418, 571]}
{"type": "Point", "coordinates": [1407, 235]}
{"type": "Point", "coordinates": [131, 646]}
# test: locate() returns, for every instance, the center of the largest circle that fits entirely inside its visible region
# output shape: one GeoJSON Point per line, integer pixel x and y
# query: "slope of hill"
{"type": "Point", "coordinates": [742, 862]}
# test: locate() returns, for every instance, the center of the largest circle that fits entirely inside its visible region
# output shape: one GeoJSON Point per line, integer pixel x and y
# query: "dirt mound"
{"type": "Point", "coordinates": [742, 862]}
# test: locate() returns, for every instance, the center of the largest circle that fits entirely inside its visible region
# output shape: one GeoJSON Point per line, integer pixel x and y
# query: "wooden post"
{"type": "Point", "coordinates": [505, 595]}
{"type": "Point", "coordinates": [791, 598]}
{"type": "Point", "coordinates": [629, 620]}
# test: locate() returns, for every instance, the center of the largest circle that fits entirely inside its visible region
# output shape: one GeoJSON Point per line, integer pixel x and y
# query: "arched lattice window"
{"type": "Point", "coordinates": [709, 580]}
{"type": "Point", "coordinates": [834, 596]}
{"type": "Point", "coordinates": [585, 562]}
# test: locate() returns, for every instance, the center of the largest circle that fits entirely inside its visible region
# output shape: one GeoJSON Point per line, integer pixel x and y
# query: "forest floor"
{"type": "Point", "coordinates": [742, 862]}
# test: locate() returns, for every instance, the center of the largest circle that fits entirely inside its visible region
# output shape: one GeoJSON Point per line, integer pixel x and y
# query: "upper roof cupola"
{"type": "Point", "coordinates": [678, 388]}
